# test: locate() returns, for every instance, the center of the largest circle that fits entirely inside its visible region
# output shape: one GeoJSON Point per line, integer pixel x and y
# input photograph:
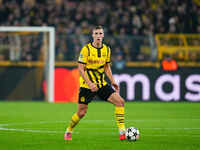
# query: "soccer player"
{"type": "Point", "coordinates": [93, 64]}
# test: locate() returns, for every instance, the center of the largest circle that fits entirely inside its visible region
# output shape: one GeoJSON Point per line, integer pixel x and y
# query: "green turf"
{"type": "Point", "coordinates": [41, 126]}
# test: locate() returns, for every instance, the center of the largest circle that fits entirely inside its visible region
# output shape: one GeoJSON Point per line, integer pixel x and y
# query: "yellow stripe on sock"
{"type": "Point", "coordinates": [119, 110]}
{"type": "Point", "coordinates": [119, 116]}
{"type": "Point", "coordinates": [73, 122]}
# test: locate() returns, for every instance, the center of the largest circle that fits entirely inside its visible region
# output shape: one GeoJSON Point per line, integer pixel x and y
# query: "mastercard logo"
{"type": "Point", "coordinates": [66, 85]}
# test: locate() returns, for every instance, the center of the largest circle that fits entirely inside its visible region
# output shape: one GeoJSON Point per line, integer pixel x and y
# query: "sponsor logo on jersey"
{"type": "Point", "coordinates": [96, 61]}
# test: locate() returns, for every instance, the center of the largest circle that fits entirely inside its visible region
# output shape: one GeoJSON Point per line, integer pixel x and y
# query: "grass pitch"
{"type": "Point", "coordinates": [41, 126]}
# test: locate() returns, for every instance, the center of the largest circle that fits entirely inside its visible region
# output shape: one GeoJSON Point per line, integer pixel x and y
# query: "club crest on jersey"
{"type": "Point", "coordinates": [104, 54]}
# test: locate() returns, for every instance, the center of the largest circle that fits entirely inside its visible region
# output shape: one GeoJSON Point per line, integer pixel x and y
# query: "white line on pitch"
{"type": "Point", "coordinates": [99, 133]}
{"type": "Point", "coordinates": [29, 130]}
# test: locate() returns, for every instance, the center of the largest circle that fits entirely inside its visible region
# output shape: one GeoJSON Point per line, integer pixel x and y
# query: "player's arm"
{"type": "Point", "coordinates": [82, 61]}
{"type": "Point", "coordinates": [93, 86]}
{"type": "Point", "coordinates": [108, 72]}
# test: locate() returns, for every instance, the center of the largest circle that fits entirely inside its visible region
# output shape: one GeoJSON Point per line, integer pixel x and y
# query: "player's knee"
{"type": "Point", "coordinates": [82, 113]}
{"type": "Point", "coordinates": [120, 102]}
{"type": "Point", "coordinates": [123, 102]}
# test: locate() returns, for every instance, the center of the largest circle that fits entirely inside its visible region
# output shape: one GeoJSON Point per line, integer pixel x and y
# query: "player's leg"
{"type": "Point", "coordinates": [118, 101]}
{"type": "Point", "coordinates": [107, 93]}
{"type": "Point", "coordinates": [82, 110]}
{"type": "Point", "coordinates": [85, 97]}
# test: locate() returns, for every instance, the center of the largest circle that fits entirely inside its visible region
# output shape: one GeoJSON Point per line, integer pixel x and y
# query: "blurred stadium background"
{"type": "Point", "coordinates": [140, 33]}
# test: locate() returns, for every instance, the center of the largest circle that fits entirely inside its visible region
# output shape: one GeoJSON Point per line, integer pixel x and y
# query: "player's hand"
{"type": "Point", "coordinates": [115, 85]}
{"type": "Point", "coordinates": [93, 87]}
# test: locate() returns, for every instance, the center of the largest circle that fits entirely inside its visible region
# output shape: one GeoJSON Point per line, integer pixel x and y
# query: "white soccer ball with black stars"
{"type": "Point", "coordinates": [132, 134]}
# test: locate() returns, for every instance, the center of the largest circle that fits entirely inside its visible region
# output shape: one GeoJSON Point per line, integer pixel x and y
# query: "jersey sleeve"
{"type": "Point", "coordinates": [108, 56]}
{"type": "Point", "coordinates": [83, 55]}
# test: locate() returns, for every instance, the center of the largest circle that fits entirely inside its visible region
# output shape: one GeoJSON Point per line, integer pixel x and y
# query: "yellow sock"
{"type": "Point", "coordinates": [119, 116]}
{"type": "Point", "coordinates": [73, 122]}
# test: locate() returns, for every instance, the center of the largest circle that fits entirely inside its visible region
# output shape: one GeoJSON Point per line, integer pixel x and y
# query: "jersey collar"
{"type": "Point", "coordinates": [96, 47]}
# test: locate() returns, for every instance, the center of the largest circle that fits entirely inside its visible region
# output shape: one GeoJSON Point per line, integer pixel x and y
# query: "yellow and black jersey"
{"type": "Point", "coordinates": [94, 59]}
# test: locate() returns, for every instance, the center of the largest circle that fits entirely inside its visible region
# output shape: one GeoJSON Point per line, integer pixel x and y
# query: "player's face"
{"type": "Point", "coordinates": [98, 35]}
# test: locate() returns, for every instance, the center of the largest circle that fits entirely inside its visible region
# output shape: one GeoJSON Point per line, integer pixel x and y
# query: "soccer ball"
{"type": "Point", "coordinates": [132, 134]}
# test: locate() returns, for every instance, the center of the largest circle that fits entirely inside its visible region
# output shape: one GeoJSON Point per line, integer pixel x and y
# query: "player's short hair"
{"type": "Point", "coordinates": [97, 27]}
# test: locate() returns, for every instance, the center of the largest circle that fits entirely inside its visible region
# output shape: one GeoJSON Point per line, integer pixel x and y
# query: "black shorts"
{"type": "Point", "coordinates": [86, 95]}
